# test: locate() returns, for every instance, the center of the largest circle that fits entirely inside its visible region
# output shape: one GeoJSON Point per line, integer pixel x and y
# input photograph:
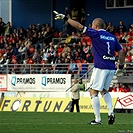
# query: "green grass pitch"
{"type": "Point", "coordinates": [27, 122]}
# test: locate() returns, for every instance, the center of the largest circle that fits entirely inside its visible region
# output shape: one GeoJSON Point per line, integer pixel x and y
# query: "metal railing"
{"type": "Point", "coordinates": [81, 70]}
{"type": "Point", "coordinates": [78, 71]}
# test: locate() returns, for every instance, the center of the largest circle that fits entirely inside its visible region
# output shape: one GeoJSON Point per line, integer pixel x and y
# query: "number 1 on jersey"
{"type": "Point", "coordinates": [108, 47]}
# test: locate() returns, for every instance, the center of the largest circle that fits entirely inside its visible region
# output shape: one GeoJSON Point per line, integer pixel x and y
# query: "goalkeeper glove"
{"type": "Point", "coordinates": [60, 16]}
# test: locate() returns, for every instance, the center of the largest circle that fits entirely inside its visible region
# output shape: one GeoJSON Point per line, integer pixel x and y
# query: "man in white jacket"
{"type": "Point", "coordinates": [75, 96]}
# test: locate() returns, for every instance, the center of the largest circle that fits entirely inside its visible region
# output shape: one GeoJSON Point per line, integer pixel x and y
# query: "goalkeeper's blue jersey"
{"type": "Point", "coordinates": [104, 46]}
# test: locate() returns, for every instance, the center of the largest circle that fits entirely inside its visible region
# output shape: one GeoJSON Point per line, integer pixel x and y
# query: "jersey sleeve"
{"type": "Point", "coordinates": [91, 32]}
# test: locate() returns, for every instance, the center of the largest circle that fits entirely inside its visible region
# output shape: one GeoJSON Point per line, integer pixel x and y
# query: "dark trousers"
{"type": "Point", "coordinates": [75, 101]}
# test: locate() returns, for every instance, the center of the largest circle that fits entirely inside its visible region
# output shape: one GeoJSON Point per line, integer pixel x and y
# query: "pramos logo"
{"type": "Point", "coordinates": [15, 81]}
{"type": "Point", "coordinates": [46, 81]}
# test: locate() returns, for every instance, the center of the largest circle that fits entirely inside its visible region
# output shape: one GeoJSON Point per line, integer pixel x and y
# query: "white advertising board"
{"type": "Point", "coordinates": [39, 82]}
{"type": "Point", "coordinates": [124, 100]}
{"type": "Point", "coordinates": [3, 82]}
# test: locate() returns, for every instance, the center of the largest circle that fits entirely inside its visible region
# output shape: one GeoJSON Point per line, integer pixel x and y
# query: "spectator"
{"type": "Point", "coordinates": [73, 67]}
{"type": "Point", "coordinates": [2, 59]}
{"type": "Point", "coordinates": [1, 26]}
{"type": "Point", "coordinates": [21, 33]}
{"type": "Point", "coordinates": [60, 48]}
{"type": "Point", "coordinates": [55, 58]}
{"type": "Point", "coordinates": [65, 67]}
{"type": "Point", "coordinates": [27, 43]}
{"type": "Point", "coordinates": [52, 52]}
{"type": "Point", "coordinates": [116, 88]}
{"type": "Point", "coordinates": [79, 45]}
{"type": "Point", "coordinates": [124, 38]}
{"type": "Point", "coordinates": [62, 57]}
{"type": "Point", "coordinates": [45, 48]}
{"type": "Point", "coordinates": [66, 26]}
{"type": "Point", "coordinates": [14, 68]}
{"type": "Point", "coordinates": [76, 56]}
{"type": "Point", "coordinates": [15, 31]}
{"type": "Point", "coordinates": [44, 55]}
{"type": "Point", "coordinates": [73, 48]}
{"type": "Point", "coordinates": [39, 44]}
{"type": "Point", "coordinates": [82, 16]}
{"type": "Point", "coordinates": [10, 38]}
{"type": "Point", "coordinates": [110, 28]}
{"type": "Point", "coordinates": [34, 39]}
{"type": "Point", "coordinates": [69, 56]}
{"type": "Point", "coordinates": [15, 50]}
{"type": "Point", "coordinates": [86, 48]}
{"type": "Point", "coordinates": [111, 88]}
{"type": "Point", "coordinates": [50, 47]}
{"type": "Point", "coordinates": [89, 58]}
{"type": "Point", "coordinates": [59, 67]}
{"type": "Point", "coordinates": [121, 27]}
{"type": "Point", "coordinates": [8, 29]}
{"type": "Point", "coordinates": [48, 65]}
{"type": "Point", "coordinates": [81, 54]}
{"type": "Point", "coordinates": [22, 52]}
{"type": "Point", "coordinates": [125, 88]}
{"type": "Point", "coordinates": [128, 57]}
{"type": "Point", "coordinates": [44, 69]}
{"type": "Point", "coordinates": [9, 53]}
{"type": "Point", "coordinates": [74, 38]}
{"type": "Point", "coordinates": [75, 14]}
{"type": "Point", "coordinates": [81, 85]}
{"type": "Point", "coordinates": [65, 49]}
{"type": "Point", "coordinates": [49, 58]}
{"type": "Point", "coordinates": [48, 34]}
{"type": "Point", "coordinates": [85, 68]}
{"type": "Point", "coordinates": [68, 38]}
{"type": "Point", "coordinates": [128, 61]}
{"type": "Point", "coordinates": [75, 96]}
{"type": "Point", "coordinates": [36, 56]}
{"type": "Point", "coordinates": [130, 31]}
{"type": "Point", "coordinates": [2, 43]}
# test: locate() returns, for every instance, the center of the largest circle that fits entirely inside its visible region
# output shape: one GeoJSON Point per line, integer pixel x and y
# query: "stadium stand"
{"type": "Point", "coordinates": [40, 49]}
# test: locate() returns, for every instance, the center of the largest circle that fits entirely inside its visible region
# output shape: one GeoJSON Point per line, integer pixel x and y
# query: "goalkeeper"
{"type": "Point", "coordinates": [104, 45]}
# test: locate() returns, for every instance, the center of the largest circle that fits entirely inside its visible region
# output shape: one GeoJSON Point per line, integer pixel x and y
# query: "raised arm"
{"type": "Point", "coordinates": [72, 22]}
{"type": "Point", "coordinates": [75, 24]}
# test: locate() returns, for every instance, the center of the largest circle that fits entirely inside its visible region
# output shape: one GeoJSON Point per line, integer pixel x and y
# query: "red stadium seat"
{"type": "Point", "coordinates": [78, 61]}
{"type": "Point", "coordinates": [2, 51]}
{"type": "Point", "coordinates": [42, 62]}
{"type": "Point", "coordinates": [31, 50]}
{"type": "Point", "coordinates": [130, 39]}
{"type": "Point", "coordinates": [117, 34]}
{"type": "Point", "coordinates": [13, 57]}
{"type": "Point", "coordinates": [87, 40]}
{"type": "Point", "coordinates": [82, 61]}
{"type": "Point", "coordinates": [30, 61]}
{"type": "Point", "coordinates": [13, 61]}
{"type": "Point", "coordinates": [79, 64]}
{"type": "Point", "coordinates": [129, 44]}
